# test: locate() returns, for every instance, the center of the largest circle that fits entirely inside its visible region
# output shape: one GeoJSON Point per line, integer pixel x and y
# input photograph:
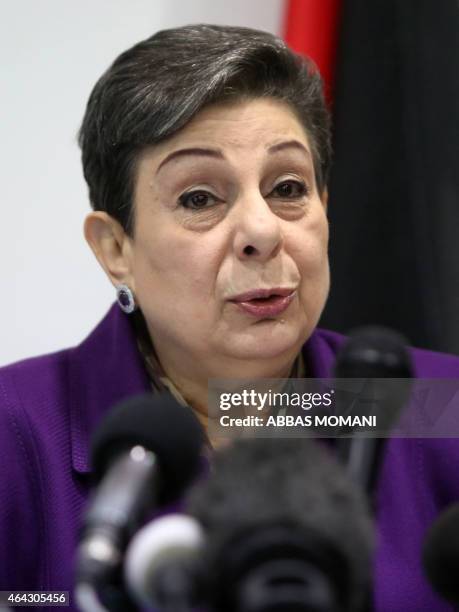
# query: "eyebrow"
{"type": "Point", "coordinates": [289, 144]}
{"type": "Point", "coordinates": [217, 154]}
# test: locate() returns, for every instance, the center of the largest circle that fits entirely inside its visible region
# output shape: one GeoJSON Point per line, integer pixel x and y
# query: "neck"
{"type": "Point", "coordinates": [194, 386]}
{"type": "Point", "coordinates": [190, 374]}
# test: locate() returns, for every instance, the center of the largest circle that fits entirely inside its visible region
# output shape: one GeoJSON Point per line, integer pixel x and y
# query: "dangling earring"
{"type": "Point", "coordinates": [126, 300]}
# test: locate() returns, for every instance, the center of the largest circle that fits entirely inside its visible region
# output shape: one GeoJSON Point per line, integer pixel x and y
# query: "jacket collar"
{"type": "Point", "coordinates": [107, 367]}
{"type": "Point", "coordinates": [103, 370]}
{"type": "Point", "coordinates": [319, 353]}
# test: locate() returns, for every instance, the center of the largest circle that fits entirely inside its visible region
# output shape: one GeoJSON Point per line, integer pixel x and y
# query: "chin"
{"type": "Point", "coordinates": [271, 340]}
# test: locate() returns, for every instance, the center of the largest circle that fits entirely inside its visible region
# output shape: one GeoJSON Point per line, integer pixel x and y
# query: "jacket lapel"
{"type": "Point", "coordinates": [103, 370]}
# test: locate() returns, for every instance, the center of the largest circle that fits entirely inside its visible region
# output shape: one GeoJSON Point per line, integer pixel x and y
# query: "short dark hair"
{"type": "Point", "coordinates": [155, 88]}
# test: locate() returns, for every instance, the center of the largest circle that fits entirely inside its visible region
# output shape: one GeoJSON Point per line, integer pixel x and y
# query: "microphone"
{"type": "Point", "coordinates": [373, 353]}
{"type": "Point", "coordinates": [144, 454]}
{"type": "Point", "coordinates": [441, 554]}
{"type": "Point", "coordinates": [162, 561]}
{"type": "Point", "coordinates": [285, 530]}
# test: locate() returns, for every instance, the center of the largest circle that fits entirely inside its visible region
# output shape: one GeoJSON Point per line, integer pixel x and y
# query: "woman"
{"type": "Point", "coordinates": [206, 152]}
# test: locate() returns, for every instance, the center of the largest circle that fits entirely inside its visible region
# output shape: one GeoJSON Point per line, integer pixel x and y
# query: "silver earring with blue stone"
{"type": "Point", "coordinates": [125, 298]}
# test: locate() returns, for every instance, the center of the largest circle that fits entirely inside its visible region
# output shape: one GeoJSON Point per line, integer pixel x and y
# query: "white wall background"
{"type": "Point", "coordinates": [52, 52]}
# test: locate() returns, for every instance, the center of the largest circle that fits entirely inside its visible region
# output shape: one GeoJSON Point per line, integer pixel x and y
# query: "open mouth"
{"type": "Point", "coordinates": [269, 299]}
{"type": "Point", "coordinates": [268, 304]}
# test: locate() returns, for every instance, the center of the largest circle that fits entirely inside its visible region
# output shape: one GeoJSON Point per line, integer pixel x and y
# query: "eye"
{"type": "Point", "coordinates": [290, 190]}
{"type": "Point", "coordinates": [196, 200]}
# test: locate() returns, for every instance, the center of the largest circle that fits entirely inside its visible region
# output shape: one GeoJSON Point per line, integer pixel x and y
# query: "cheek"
{"type": "Point", "coordinates": [176, 269]}
{"type": "Point", "coordinates": [310, 249]}
{"type": "Point", "coordinates": [311, 256]}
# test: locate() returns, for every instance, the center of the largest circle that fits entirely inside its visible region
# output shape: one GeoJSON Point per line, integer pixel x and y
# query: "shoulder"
{"type": "Point", "coordinates": [32, 397]}
{"type": "Point", "coordinates": [31, 386]}
{"type": "Point", "coordinates": [426, 364]}
{"type": "Point", "coordinates": [430, 364]}
{"type": "Point", "coordinates": [43, 389]}
{"type": "Point", "coordinates": [55, 401]}
{"type": "Point", "coordinates": [30, 392]}
{"type": "Point", "coordinates": [28, 378]}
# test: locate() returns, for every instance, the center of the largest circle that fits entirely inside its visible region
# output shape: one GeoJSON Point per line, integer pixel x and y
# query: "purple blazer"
{"type": "Point", "coordinates": [50, 405]}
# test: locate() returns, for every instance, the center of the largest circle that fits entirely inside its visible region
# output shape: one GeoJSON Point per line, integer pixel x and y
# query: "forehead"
{"type": "Point", "coordinates": [254, 123]}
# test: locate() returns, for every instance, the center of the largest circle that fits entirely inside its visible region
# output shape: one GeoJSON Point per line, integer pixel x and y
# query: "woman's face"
{"type": "Point", "coordinates": [229, 256]}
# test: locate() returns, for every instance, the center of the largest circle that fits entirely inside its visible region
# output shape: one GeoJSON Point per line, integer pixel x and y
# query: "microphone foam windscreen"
{"type": "Point", "coordinates": [160, 424]}
{"type": "Point", "coordinates": [441, 554]}
{"type": "Point", "coordinates": [286, 482]}
{"type": "Point", "coordinates": [374, 352]}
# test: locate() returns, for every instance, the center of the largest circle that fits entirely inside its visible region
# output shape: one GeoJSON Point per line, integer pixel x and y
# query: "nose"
{"type": "Point", "coordinates": [258, 234]}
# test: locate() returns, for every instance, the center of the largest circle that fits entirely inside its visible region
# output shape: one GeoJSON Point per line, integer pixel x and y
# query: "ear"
{"type": "Point", "coordinates": [324, 198]}
{"type": "Point", "coordinates": [111, 246]}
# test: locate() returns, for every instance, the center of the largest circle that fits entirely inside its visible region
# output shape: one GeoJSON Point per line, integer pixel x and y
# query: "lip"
{"type": "Point", "coordinates": [279, 300]}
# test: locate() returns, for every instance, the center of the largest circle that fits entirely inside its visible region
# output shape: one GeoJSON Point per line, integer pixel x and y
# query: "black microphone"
{"type": "Point", "coordinates": [372, 353]}
{"type": "Point", "coordinates": [286, 530]}
{"type": "Point", "coordinates": [441, 554]}
{"type": "Point", "coordinates": [144, 454]}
